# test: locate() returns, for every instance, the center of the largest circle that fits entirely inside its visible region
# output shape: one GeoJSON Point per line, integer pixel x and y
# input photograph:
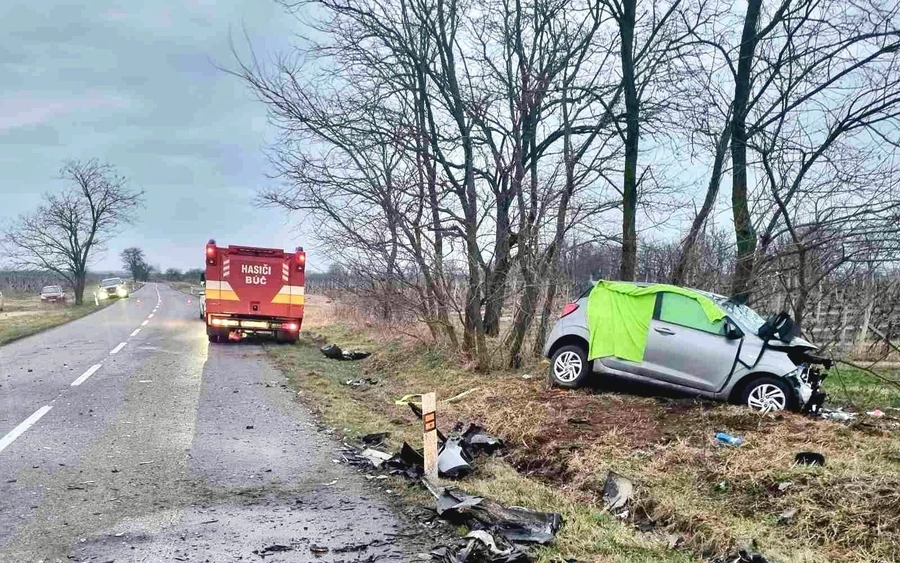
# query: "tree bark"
{"type": "Point", "coordinates": [743, 225]}
{"type": "Point", "coordinates": [632, 132]}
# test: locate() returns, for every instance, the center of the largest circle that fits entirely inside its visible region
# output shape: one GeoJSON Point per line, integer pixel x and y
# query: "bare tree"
{"type": "Point", "coordinates": [134, 262]}
{"type": "Point", "coordinates": [67, 231]}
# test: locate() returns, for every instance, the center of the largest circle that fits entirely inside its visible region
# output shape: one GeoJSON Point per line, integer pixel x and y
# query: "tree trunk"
{"type": "Point", "coordinates": [743, 224]}
{"type": "Point", "coordinates": [79, 287]}
{"type": "Point", "coordinates": [496, 282]}
{"type": "Point", "coordinates": [632, 109]}
{"type": "Point", "coordinates": [679, 274]}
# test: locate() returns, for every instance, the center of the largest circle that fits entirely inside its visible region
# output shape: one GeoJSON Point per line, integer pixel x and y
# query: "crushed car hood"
{"type": "Point", "coordinates": [796, 343]}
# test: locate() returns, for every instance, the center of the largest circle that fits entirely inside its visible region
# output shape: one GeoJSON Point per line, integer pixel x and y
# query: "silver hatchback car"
{"type": "Point", "coordinates": [741, 358]}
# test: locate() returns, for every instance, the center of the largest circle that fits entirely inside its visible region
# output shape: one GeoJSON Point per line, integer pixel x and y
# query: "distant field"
{"type": "Point", "coordinates": [24, 315]}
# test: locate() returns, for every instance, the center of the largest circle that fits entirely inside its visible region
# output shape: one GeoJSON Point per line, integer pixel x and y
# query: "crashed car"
{"type": "Point", "coordinates": [112, 287]}
{"type": "Point", "coordinates": [687, 341]}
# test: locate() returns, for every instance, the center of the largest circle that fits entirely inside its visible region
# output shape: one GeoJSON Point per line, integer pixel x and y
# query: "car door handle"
{"type": "Point", "coordinates": [664, 331]}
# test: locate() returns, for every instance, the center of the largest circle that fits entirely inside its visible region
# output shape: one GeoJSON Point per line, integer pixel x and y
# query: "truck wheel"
{"type": "Point", "coordinates": [569, 367]}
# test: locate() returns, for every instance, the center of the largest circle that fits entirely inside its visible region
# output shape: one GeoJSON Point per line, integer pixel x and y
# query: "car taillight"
{"type": "Point", "coordinates": [569, 309]}
{"type": "Point", "coordinates": [292, 327]}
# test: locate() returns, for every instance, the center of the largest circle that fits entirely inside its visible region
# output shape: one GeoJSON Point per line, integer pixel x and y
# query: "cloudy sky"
{"type": "Point", "coordinates": [135, 84]}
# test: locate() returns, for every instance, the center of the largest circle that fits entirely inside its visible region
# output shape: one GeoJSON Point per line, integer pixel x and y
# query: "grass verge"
{"type": "Point", "coordinates": [705, 499]}
{"type": "Point", "coordinates": [25, 316]}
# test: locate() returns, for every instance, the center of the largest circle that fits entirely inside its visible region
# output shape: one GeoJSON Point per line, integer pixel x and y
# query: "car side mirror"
{"type": "Point", "coordinates": [732, 331]}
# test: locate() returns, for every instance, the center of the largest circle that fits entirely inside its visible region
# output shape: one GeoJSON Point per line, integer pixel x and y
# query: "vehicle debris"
{"type": "Point", "coordinates": [728, 439]}
{"type": "Point", "coordinates": [838, 415]}
{"type": "Point", "coordinates": [617, 491]}
{"type": "Point", "coordinates": [376, 457]}
{"type": "Point", "coordinates": [514, 524]}
{"type": "Point", "coordinates": [742, 556]}
{"type": "Point", "coordinates": [482, 547]}
{"type": "Point", "coordinates": [334, 352]}
{"type": "Point", "coordinates": [374, 439]}
{"type": "Point", "coordinates": [360, 382]}
{"type": "Point", "coordinates": [452, 460]}
{"type": "Point", "coordinates": [407, 461]}
{"type": "Point", "coordinates": [877, 413]}
{"type": "Point", "coordinates": [477, 440]}
{"type": "Point", "coordinates": [809, 458]}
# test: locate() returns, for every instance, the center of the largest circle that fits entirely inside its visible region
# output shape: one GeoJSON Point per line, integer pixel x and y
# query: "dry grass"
{"type": "Point", "coordinates": [25, 315]}
{"type": "Point", "coordinates": [562, 444]}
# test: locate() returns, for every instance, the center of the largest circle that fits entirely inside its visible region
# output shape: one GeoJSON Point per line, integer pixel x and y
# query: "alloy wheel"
{"type": "Point", "coordinates": [567, 367]}
{"type": "Point", "coordinates": [766, 398]}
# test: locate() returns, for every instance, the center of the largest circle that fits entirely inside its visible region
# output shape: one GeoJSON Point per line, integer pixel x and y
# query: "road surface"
{"type": "Point", "coordinates": [125, 436]}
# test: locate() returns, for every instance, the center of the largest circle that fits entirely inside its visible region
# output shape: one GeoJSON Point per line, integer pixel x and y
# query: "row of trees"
{"type": "Point", "coordinates": [434, 141]}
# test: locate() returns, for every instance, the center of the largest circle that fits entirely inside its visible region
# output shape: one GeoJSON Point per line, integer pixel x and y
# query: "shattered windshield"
{"type": "Point", "coordinates": [747, 318]}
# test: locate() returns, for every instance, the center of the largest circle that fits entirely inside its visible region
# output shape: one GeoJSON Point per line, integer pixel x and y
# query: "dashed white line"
{"type": "Point", "coordinates": [135, 331]}
{"type": "Point", "coordinates": [150, 316]}
{"type": "Point", "coordinates": [21, 428]}
{"type": "Point", "coordinates": [90, 371]}
{"type": "Point", "coordinates": [144, 323]}
{"type": "Point", "coordinates": [117, 348]}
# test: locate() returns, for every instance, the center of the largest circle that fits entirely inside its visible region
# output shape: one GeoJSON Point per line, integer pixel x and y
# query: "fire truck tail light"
{"type": "Point", "coordinates": [211, 253]}
{"type": "Point", "coordinates": [292, 327]}
{"type": "Point", "coordinates": [301, 259]}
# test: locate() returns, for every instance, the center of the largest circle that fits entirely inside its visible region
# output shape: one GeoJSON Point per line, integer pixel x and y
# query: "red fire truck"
{"type": "Point", "coordinates": [253, 291]}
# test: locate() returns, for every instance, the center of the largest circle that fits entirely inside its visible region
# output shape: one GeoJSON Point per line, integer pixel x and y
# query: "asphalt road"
{"type": "Point", "coordinates": [126, 436]}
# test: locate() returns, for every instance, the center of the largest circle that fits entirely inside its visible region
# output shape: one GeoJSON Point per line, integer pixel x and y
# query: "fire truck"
{"type": "Point", "coordinates": [253, 291]}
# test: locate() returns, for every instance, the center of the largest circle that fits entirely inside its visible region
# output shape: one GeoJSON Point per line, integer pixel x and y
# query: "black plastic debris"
{"type": "Point", "coordinates": [477, 440]}
{"type": "Point", "coordinates": [407, 461]}
{"type": "Point", "coordinates": [374, 439]}
{"type": "Point", "coordinates": [742, 556]}
{"type": "Point", "coordinates": [481, 547]}
{"type": "Point", "coordinates": [453, 461]}
{"type": "Point", "coordinates": [334, 352]}
{"type": "Point", "coordinates": [360, 382]}
{"type": "Point", "coordinates": [514, 524]}
{"type": "Point", "coordinates": [809, 458]}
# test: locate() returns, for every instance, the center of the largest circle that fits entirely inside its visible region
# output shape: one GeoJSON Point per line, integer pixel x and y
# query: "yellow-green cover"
{"type": "Point", "coordinates": [619, 315]}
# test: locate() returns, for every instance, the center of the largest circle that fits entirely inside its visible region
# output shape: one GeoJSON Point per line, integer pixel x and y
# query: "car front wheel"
{"type": "Point", "coordinates": [569, 367]}
{"type": "Point", "coordinates": [766, 394]}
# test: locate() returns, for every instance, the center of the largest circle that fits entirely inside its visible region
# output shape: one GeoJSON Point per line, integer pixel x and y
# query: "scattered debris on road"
{"type": "Point", "coordinates": [334, 352]}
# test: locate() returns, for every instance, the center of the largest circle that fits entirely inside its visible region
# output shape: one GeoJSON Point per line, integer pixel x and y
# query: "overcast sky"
{"type": "Point", "coordinates": [132, 83]}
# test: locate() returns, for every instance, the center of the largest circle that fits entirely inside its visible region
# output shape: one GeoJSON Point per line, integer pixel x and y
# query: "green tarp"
{"type": "Point", "coordinates": [619, 315]}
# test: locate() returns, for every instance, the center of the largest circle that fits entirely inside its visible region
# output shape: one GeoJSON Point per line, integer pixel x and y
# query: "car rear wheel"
{"type": "Point", "coordinates": [569, 367]}
{"type": "Point", "coordinates": [766, 394]}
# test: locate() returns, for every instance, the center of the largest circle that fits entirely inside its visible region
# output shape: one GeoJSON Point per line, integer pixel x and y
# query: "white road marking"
{"type": "Point", "coordinates": [21, 428]}
{"type": "Point", "coordinates": [117, 348]}
{"type": "Point", "coordinates": [150, 316]}
{"type": "Point", "coordinates": [90, 371]}
{"type": "Point", "coordinates": [134, 333]}
{"type": "Point", "coordinates": [144, 323]}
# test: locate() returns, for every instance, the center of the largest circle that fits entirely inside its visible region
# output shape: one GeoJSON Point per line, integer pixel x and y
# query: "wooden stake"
{"type": "Point", "coordinates": [429, 435]}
